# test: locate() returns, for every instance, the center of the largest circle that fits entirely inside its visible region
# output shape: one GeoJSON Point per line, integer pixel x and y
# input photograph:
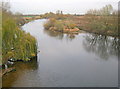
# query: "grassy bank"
{"type": "Point", "coordinates": [86, 23]}
{"type": "Point", "coordinates": [100, 21]}
{"type": "Point", "coordinates": [103, 21]}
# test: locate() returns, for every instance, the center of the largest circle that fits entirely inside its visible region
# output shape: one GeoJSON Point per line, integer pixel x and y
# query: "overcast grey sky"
{"type": "Point", "coordinates": [67, 6]}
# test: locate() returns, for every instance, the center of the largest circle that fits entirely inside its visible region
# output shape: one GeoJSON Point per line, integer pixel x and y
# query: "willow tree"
{"type": "Point", "coordinates": [16, 43]}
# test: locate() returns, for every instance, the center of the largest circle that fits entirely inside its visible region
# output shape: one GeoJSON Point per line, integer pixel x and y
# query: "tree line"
{"type": "Point", "coordinates": [104, 20]}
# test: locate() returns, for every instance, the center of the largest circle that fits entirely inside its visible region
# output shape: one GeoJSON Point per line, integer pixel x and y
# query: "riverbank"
{"type": "Point", "coordinates": [76, 24]}
{"type": "Point", "coordinates": [16, 43]}
{"type": "Point", "coordinates": [86, 23]}
{"type": "Point", "coordinates": [94, 21]}
{"type": "Point", "coordinates": [66, 60]}
{"type": "Point", "coordinates": [23, 19]}
{"type": "Point", "coordinates": [10, 66]}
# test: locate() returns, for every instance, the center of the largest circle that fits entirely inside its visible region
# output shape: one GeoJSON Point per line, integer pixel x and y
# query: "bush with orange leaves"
{"type": "Point", "coordinates": [60, 25]}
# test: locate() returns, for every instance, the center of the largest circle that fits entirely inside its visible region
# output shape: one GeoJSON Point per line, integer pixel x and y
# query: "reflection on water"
{"type": "Point", "coordinates": [67, 60]}
{"type": "Point", "coordinates": [103, 46]}
{"type": "Point", "coordinates": [21, 68]}
{"type": "Point", "coordinates": [59, 35]}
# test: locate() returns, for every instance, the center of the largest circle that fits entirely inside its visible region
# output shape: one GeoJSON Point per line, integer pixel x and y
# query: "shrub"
{"type": "Point", "coordinates": [70, 24]}
{"type": "Point", "coordinates": [59, 25]}
{"type": "Point", "coordinates": [50, 23]}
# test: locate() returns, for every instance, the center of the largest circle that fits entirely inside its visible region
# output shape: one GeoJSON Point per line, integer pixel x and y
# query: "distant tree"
{"type": "Point", "coordinates": [58, 12]}
{"type": "Point", "coordinates": [5, 6]}
{"type": "Point", "coordinates": [18, 13]}
{"type": "Point", "coordinates": [61, 12]}
{"type": "Point", "coordinates": [103, 20]}
{"type": "Point", "coordinates": [106, 10]}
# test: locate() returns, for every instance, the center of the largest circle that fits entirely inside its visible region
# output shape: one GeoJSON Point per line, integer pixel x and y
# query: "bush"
{"type": "Point", "coordinates": [59, 26]}
{"type": "Point", "coordinates": [50, 23]}
{"type": "Point", "coordinates": [70, 24]}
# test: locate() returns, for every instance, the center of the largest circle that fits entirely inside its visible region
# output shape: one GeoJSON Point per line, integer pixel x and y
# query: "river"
{"type": "Point", "coordinates": [67, 60]}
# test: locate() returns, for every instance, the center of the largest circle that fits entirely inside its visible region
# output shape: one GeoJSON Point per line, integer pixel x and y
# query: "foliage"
{"type": "Point", "coordinates": [58, 15]}
{"type": "Point", "coordinates": [50, 23]}
{"type": "Point", "coordinates": [70, 24]}
{"type": "Point", "coordinates": [48, 15]}
{"type": "Point", "coordinates": [58, 25]}
{"type": "Point", "coordinates": [15, 42]}
{"type": "Point", "coordinates": [104, 20]}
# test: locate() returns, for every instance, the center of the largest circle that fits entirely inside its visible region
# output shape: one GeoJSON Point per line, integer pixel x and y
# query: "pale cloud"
{"type": "Point", "coordinates": [67, 6]}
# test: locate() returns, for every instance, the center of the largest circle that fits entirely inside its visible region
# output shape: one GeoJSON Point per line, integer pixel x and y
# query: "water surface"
{"type": "Point", "coordinates": [67, 60]}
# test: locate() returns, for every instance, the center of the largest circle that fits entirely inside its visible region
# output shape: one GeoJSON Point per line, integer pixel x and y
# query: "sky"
{"type": "Point", "coordinates": [67, 6]}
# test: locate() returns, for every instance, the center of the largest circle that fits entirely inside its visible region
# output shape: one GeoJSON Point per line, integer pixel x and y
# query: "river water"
{"type": "Point", "coordinates": [67, 60]}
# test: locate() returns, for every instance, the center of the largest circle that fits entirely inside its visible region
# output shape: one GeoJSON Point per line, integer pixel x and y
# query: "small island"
{"type": "Point", "coordinates": [64, 26]}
